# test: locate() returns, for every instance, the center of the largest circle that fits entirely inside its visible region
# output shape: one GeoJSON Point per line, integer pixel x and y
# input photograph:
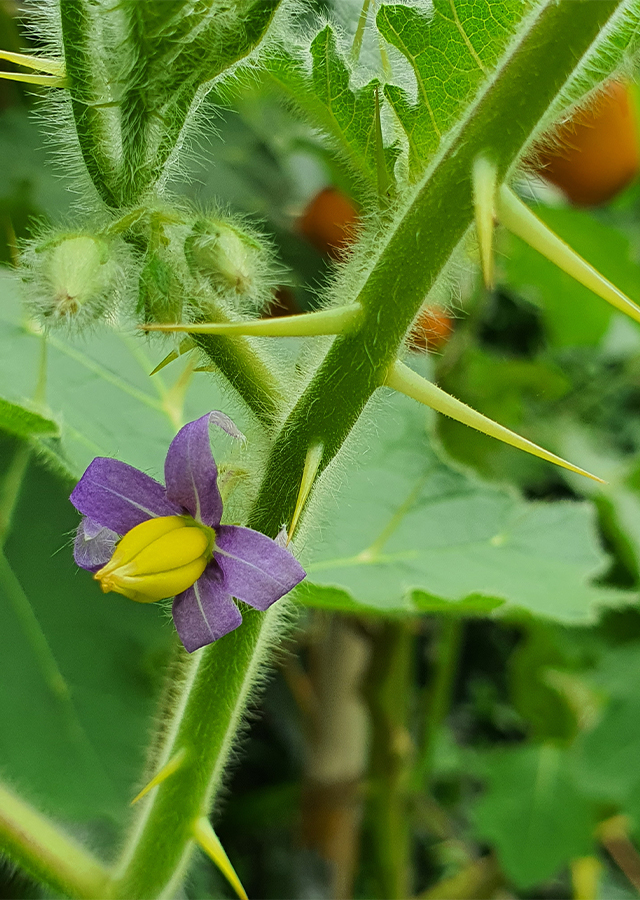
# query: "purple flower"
{"type": "Point", "coordinates": [149, 542]}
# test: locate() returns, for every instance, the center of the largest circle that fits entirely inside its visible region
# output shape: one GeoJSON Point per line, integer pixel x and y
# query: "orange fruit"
{"type": "Point", "coordinates": [432, 329]}
{"type": "Point", "coordinates": [329, 222]}
{"type": "Point", "coordinates": [595, 154]}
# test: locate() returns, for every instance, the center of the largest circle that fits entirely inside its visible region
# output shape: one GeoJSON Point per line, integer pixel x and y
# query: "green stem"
{"type": "Point", "coordinates": [45, 852]}
{"type": "Point", "coordinates": [219, 679]}
{"type": "Point", "coordinates": [419, 244]}
{"type": "Point", "coordinates": [217, 682]}
{"type": "Point", "coordinates": [247, 372]}
{"type": "Point", "coordinates": [439, 694]}
{"type": "Point", "coordinates": [389, 693]}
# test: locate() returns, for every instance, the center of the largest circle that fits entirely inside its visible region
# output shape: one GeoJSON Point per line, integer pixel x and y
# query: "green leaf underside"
{"type": "Point", "coordinates": [98, 389]}
{"type": "Point", "coordinates": [450, 48]}
{"type": "Point", "coordinates": [74, 730]}
{"type": "Point", "coordinates": [415, 535]}
{"type": "Point", "coordinates": [23, 422]}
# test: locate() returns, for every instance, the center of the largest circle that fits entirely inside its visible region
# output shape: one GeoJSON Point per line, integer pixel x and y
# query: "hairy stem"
{"type": "Point", "coordinates": [45, 852]}
{"type": "Point", "coordinates": [217, 683]}
{"type": "Point", "coordinates": [411, 254]}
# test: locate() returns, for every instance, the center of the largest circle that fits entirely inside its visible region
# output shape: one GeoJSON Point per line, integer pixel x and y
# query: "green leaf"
{"type": "Point", "coordinates": [618, 500]}
{"type": "Point", "coordinates": [534, 813]}
{"type": "Point", "coordinates": [79, 670]}
{"type": "Point", "coordinates": [573, 315]}
{"type": "Point", "coordinates": [451, 47]}
{"type": "Point", "coordinates": [98, 389]}
{"type": "Point", "coordinates": [414, 535]}
{"type": "Point", "coordinates": [23, 422]}
{"type": "Point", "coordinates": [346, 114]}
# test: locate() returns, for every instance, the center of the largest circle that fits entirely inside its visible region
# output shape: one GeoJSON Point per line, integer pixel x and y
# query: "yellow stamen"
{"type": "Point", "coordinates": [158, 558]}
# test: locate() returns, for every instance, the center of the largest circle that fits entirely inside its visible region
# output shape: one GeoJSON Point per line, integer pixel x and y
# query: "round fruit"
{"type": "Point", "coordinates": [329, 222]}
{"type": "Point", "coordinates": [432, 329]}
{"type": "Point", "coordinates": [595, 154]}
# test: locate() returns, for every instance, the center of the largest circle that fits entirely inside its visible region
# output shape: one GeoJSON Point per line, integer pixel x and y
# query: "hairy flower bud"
{"type": "Point", "coordinates": [72, 278]}
{"type": "Point", "coordinates": [158, 558]}
{"type": "Point", "coordinates": [233, 261]}
{"type": "Point", "coordinates": [161, 291]}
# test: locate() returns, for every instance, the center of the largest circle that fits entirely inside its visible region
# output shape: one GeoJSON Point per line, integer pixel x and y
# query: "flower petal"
{"type": "Point", "coordinates": [94, 545]}
{"type": "Point", "coordinates": [255, 568]}
{"type": "Point", "coordinates": [191, 474]}
{"type": "Point", "coordinates": [223, 421]}
{"type": "Point", "coordinates": [205, 612]}
{"type": "Point", "coordinates": [119, 497]}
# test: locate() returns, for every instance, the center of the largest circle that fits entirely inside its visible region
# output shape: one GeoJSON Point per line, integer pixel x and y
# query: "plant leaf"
{"type": "Point", "coordinates": [346, 114]}
{"type": "Point", "coordinates": [534, 813]}
{"type": "Point", "coordinates": [450, 47]}
{"type": "Point", "coordinates": [24, 422]}
{"type": "Point", "coordinates": [416, 535]}
{"type": "Point", "coordinates": [99, 389]}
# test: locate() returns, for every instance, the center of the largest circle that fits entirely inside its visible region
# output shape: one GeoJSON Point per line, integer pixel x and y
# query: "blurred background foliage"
{"type": "Point", "coordinates": [456, 714]}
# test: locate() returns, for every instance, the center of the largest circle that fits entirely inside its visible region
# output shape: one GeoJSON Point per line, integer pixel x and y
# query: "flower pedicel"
{"type": "Point", "coordinates": [149, 542]}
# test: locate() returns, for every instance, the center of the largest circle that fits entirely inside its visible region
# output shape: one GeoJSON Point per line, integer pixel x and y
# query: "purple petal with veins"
{"type": "Point", "coordinates": [119, 497]}
{"type": "Point", "coordinates": [94, 545]}
{"type": "Point", "coordinates": [256, 570]}
{"type": "Point", "coordinates": [205, 612]}
{"type": "Point", "coordinates": [191, 474]}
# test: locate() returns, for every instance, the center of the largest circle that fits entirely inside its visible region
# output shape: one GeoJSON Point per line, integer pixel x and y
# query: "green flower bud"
{"type": "Point", "coordinates": [161, 291]}
{"type": "Point", "coordinates": [72, 278]}
{"type": "Point", "coordinates": [233, 262]}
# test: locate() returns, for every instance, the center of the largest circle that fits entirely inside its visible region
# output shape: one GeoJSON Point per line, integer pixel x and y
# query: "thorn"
{"type": "Point", "coordinates": [165, 772]}
{"type": "Point", "coordinates": [522, 222]}
{"type": "Point", "coordinates": [325, 321]}
{"type": "Point", "coordinates": [208, 841]}
{"type": "Point", "coordinates": [185, 345]}
{"type": "Point", "coordinates": [46, 80]}
{"type": "Point", "coordinates": [51, 66]}
{"type": "Point", "coordinates": [485, 185]}
{"type": "Point", "coordinates": [586, 872]}
{"type": "Point", "coordinates": [169, 358]}
{"type": "Point", "coordinates": [401, 378]}
{"type": "Point", "coordinates": [311, 466]}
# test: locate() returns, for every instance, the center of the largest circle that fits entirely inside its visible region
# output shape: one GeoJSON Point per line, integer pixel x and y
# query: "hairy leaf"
{"type": "Point", "coordinates": [78, 669]}
{"type": "Point", "coordinates": [346, 114]}
{"type": "Point", "coordinates": [451, 46]}
{"type": "Point", "coordinates": [24, 422]}
{"type": "Point", "coordinates": [416, 535]}
{"type": "Point", "coordinates": [100, 391]}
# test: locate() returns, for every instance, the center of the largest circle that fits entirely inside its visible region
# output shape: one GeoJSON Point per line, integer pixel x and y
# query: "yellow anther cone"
{"type": "Point", "coordinates": [158, 558]}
